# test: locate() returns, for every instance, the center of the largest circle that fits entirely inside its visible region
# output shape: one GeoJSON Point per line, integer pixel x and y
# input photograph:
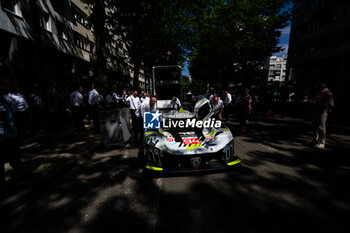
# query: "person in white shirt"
{"type": "Point", "coordinates": [175, 103]}
{"type": "Point", "coordinates": [125, 98]}
{"type": "Point", "coordinates": [228, 98]}
{"type": "Point", "coordinates": [218, 107]}
{"type": "Point", "coordinates": [94, 104]}
{"type": "Point", "coordinates": [146, 106]}
{"type": "Point", "coordinates": [227, 103]}
{"type": "Point", "coordinates": [17, 102]}
{"type": "Point", "coordinates": [144, 97]}
{"type": "Point", "coordinates": [20, 109]}
{"type": "Point", "coordinates": [135, 112]}
{"type": "Point", "coordinates": [94, 97]}
{"type": "Point", "coordinates": [149, 106]}
{"type": "Point", "coordinates": [76, 100]}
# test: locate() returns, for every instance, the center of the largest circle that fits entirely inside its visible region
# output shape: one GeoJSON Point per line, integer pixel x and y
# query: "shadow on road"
{"type": "Point", "coordinates": [75, 187]}
{"type": "Point", "coordinates": [283, 186]}
{"type": "Point", "coordinates": [289, 188]}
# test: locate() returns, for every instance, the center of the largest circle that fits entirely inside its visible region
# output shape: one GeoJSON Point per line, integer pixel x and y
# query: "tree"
{"type": "Point", "coordinates": [234, 37]}
{"type": "Point", "coordinates": [152, 30]}
{"type": "Point", "coordinates": [97, 20]}
{"type": "Point", "coordinates": [185, 82]}
{"type": "Point", "coordinates": [223, 38]}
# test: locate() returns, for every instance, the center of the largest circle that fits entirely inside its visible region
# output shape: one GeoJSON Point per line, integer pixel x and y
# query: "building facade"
{"type": "Point", "coordinates": [277, 69]}
{"type": "Point", "coordinates": [319, 48]}
{"type": "Point", "coordinates": [65, 52]}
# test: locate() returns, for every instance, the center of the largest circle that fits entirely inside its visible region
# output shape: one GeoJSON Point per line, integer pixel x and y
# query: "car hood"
{"type": "Point", "coordinates": [212, 141]}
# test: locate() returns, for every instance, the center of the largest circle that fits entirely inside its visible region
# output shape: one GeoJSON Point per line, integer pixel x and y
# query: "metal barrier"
{"type": "Point", "coordinates": [115, 126]}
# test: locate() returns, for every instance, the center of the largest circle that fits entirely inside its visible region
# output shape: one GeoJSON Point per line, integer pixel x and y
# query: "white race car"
{"type": "Point", "coordinates": [174, 149]}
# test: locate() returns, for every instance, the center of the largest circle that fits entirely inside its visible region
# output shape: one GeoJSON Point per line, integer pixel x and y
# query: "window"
{"type": "Point", "coordinates": [62, 31]}
{"type": "Point", "coordinates": [91, 46]}
{"type": "Point", "coordinates": [13, 6]}
{"type": "Point", "coordinates": [81, 17]}
{"type": "Point", "coordinates": [61, 5]}
{"type": "Point", "coordinates": [338, 13]}
{"type": "Point", "coordinates": [45, 21]}
{"type": "Point", "coordinates": [83, 42]}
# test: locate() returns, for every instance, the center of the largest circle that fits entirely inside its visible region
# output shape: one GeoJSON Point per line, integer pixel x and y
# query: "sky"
{"type": "Point", "coordinates": [284, 40]}
{"type": "Point", "coordinates": [284, 43]}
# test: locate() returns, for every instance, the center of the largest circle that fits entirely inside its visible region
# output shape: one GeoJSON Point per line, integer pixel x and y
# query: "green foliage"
{"type": "Point", "coordinates": [185, 82]}
{"type": "Point", "coordinates": [234, 37]}
{"type": "Point", "coordinates": [222, 38]}
{"type": "Point", "coordinates": [151, 29]}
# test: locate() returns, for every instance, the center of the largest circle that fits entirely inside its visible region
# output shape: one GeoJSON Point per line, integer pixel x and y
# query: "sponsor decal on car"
{"type": "Point", "coordinates": [192, 146]}
{"type": "Point", "coordinates": [190, 140]}
{"type": "Point", "coordinates": [170, 138]}
{"type": "Point", "coordinates": [210, 135]}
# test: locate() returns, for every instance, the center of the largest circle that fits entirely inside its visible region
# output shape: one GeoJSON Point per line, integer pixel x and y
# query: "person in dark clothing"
{"type": "Point", "coordinates": [36, 111]}
{"type": "Point", "coordinates": [95, 107]}
{"type": "Point", "coordinates": [322, 103]}
{"type": "Point", "coordinates": [244, 105]}
{"type": "Point", "coordinates": [136, 118]}
{"type": "Point", "coordinates": [9, 141]}
{"type": "Point", "coordinates": [217, 107]}
{"type": "Point", "coordinates": [77, 103]}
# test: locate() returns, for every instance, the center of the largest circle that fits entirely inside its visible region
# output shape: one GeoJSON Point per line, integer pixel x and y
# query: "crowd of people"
{"type": "Point", "coordinates": [16, 111]}
{"type": "Point", "coordinates": [227, 103]}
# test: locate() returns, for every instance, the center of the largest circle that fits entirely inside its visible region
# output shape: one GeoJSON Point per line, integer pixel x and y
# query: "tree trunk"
{"type": "Point", "coordinates": [41, 74]}
{"type": "Point", "coordinates": [99, 20]}
{"type": "Point", "coordinates": [136, 83]}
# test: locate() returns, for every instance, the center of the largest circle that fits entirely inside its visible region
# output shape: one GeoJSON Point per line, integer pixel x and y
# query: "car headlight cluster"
{"type": "Point", "coordinates": [228, 151]}
{"type": "Point", "coordinates": [154, 155]}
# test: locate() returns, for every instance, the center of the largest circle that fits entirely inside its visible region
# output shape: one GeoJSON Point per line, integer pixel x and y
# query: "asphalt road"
{"type": "Point", "coordinates": [283, 185]}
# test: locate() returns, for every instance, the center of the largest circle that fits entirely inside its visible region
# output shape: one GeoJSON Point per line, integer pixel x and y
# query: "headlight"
{"type": "Point", "coordinates": [228, 151]}
{"type": "Point", "coordinates": [154, 155]}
